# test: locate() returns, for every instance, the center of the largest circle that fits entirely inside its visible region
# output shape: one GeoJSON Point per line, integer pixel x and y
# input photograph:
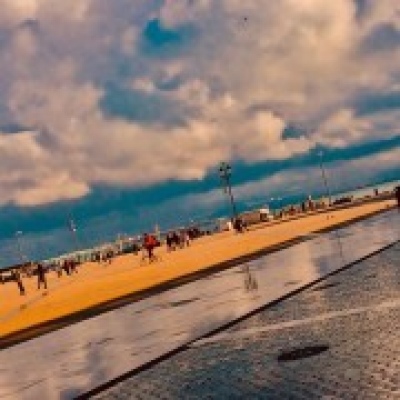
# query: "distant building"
{"type": "Point", "coordinates": [255, 216]}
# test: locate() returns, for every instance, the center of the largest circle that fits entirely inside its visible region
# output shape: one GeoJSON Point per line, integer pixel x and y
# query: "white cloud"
{"type": "Point", "coordinates": [344, 128]}
{"type": "Point", "coordinates": [57, 186]}
{"type": "Point", "coordinates": [251, 69]}
{"type": "Point", "coordinates": [177, 12]}
{"type": "Point", "coordinates": [15, 11]}
{"type": "Point", "coordinates": [31, 176]}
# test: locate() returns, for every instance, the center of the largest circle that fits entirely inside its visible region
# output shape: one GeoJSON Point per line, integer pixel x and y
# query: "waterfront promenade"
{"type": "Point", "coordinates": [96, 286]}
{"type": "Point", "coordinates": [143, 340]}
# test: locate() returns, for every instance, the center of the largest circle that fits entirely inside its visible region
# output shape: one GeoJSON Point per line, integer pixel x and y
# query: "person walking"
{"type": "Point", "coordinates": [41, 274]}
{"type": "Point", "coordinates": [17, 278]}
{"type": "Point", "coordinates": [182, 239]}
{"type": "Point", "coordinates": [59, 269]}
{"type": "Point", "coordinates": [187, 238]}
{"type": "Point", "coordinates": [397, 194]}
{"type": "Point", "coordinates": [239, 226]}
{"type": "Point", "coordinates": [169, 241]}
{"type": "Point", "coordinates": [74, 266]}
{"type": "Point", "coordinates": [149, 243]}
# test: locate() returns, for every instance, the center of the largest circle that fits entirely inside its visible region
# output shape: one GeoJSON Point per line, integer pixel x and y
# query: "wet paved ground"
{"type": "Point", "coordinates": [354, 315]}
{"type": "Point", "coordinates": [351, 316]}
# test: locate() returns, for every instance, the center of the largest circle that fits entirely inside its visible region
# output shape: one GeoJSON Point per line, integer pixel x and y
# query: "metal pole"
{"type": "Point", "coordinates": [19, 246]}
{"type": "Point", "coordinates": [224, 171]}
{"type": "Point", "coordinates": [232, 201]}
{"type": "Point", "coordinates": [324, 176]}
{"type": "Point", "coordinates": [75, 239]}
{"type": "Point", "coordinates": [325, 179]}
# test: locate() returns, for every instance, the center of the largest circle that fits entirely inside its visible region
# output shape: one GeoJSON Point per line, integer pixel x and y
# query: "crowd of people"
{"type": "Point", "coordinates": [40, 270]}
{"type": "Point", "coordinates": [174, 240]}
{"type": "Point", "coordinates": [69, 266]}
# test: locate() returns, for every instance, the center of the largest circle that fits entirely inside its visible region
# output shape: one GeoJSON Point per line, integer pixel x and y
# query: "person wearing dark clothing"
{"type": "Point", "coordinates": [73, 266]}
{"type": "Point", "coordinates": [41, 274]}
{"type": "Point", "coordinates": [169, 241]}
{"type": "Point", "coordinates": [65, 267]}
{"type": "Point", "coordinates": [175, 239]}
{"type": "Point", "coordinates": [397, 194]}
{"type": "Point", "coordinates": [17, 277]}
{"type": "Point", "coordinates": [239, 225]}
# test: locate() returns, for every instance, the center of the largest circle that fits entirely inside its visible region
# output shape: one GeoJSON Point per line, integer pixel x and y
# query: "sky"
{"type": "Point", "coordinates": [118, 113]}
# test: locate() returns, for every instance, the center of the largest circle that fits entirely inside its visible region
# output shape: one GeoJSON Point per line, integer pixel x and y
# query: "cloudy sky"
{"type": "Point", "coordinates": [119, 112]}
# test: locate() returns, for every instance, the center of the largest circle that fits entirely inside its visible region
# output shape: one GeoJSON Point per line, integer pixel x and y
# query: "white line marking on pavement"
{"type": "Point", "coordinates": [228, 336]}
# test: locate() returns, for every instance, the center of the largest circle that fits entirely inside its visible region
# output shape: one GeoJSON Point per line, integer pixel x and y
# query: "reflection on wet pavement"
{"type": "Point", "coordinates": [341, 343]}
{"type": "Point", "coordinates": [85, 355]}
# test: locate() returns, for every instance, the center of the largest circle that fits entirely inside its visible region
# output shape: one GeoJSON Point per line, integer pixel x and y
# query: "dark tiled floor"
{"type": "Point", "coordinates": [356, 313]}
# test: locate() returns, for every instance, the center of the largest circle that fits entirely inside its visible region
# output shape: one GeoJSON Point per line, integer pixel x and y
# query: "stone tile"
{"type": "Point", "coordinates": [362, 361]}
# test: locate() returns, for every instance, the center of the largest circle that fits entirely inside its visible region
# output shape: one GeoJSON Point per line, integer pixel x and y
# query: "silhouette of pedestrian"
{"type": "Point", "coordinates": [59, 270]}
{"type": "Point", "coordinates": [66, 267]}
{"type": "Point", "coordinates": [73, 266]}
{"type": "Point", "coordinates": [169, 241]}
{"type": "Point", "coordinates": [239, 226]}
{"type": "Point", "coordinates": [17, 277]}
{"type": "Point", "coordinates": [41, 273]}
{"type": "Point", "coordinates": [397, 194]}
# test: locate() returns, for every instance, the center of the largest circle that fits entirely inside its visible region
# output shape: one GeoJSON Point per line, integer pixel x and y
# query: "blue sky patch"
{"type": "Point", "coordinates": [142, 107]}
{"type": "Point", "coordinates": [375, 103]}
{"type": "Point", "coordinates": [164, 42]}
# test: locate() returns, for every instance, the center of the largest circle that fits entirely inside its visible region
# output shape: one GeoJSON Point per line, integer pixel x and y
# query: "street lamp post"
{"type": "Point", "coordinates": [225, 172]}
{"type": "Point", "coordinates": [19, 246]}
{"type": "Point", "coordinates": [73, 229]}
{"type": "Point", "coordinates": [328, 192]}
{"type": "Point", "coordinates": [324, 177]}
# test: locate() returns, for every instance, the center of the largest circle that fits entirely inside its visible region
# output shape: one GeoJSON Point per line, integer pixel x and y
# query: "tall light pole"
{"type": "Point", "coordinates": [73, 229]}
{"type": "Point", "coordinates": [19, 246]}
{"type": "Point", "coordinates": [324, 177]}
{"type": "Point", "coordinates": [328, 192]}
{"type": "Point", "coordinates": [225, 172]}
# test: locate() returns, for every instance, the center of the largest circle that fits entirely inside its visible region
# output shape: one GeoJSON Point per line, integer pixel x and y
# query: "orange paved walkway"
{"type": "Point", "coordinates": [96, 283]}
